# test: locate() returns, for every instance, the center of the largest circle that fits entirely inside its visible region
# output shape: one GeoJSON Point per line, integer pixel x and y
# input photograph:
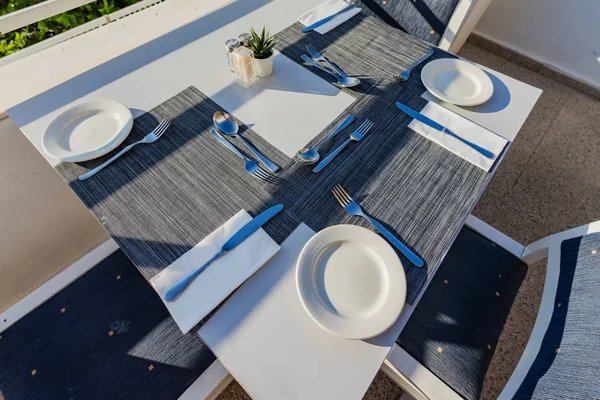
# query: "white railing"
{"type": "Point", "coordinates": [50, 8]}
{"type": "Point", "coordinates": [37, 12]}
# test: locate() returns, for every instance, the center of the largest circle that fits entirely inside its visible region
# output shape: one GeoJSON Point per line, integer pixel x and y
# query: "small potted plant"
{"type": "Point", "coordinates": [262, 45]}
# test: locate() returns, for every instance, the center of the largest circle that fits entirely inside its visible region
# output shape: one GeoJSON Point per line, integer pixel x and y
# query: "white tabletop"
{"type": "Point", "coordinates": [284, 112]}
{"type": "Point", "coordinates": [270, 345]}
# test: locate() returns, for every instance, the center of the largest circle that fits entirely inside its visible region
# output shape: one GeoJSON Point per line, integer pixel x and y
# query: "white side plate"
{"type": "Point", "coordinates": [457, 82]}
{"type": "Point", "coordinates": [87, 130]}
{"type": "Point", "coordinates": [351, 282]}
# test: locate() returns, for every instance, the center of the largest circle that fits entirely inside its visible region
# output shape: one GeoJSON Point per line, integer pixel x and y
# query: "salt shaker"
{"type": "Point", "coordinates": [230, 46]}
{"type": "Point", "coordinates": [243, 66]}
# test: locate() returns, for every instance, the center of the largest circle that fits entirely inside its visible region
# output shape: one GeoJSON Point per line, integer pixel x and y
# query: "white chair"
{"type": "Point", "coordinates": [444, 23]}
{"type": "Point", "coordinates": [560, 359]}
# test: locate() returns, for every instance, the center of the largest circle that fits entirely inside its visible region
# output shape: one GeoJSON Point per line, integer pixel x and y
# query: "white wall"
{"type": "Point", "coordinates": [563, 34]}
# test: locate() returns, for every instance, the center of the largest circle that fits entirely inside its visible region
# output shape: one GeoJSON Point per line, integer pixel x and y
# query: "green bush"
{"type": "Point", "coordinates": [14, 41]}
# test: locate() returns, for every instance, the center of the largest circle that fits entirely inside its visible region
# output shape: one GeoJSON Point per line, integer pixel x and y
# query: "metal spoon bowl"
{"type": "Point", "coordinates": [227, 126]}
{"type": "Point", "coordinates": [307, 156]}
{"type": "Point", "coordinates": [311, 156]}
{"type": "Point", "coordinates": [348, 81]}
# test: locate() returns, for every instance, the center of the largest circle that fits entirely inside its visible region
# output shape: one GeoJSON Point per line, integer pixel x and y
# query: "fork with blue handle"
{"type": "Point", "coordinates": [148, 139]}
{"type": "Point", "coordinates": [353, 208]}
{"type": "Point", "coordinates": [355, 136]}
{"type": "Point", "coordinates": [250, 166]}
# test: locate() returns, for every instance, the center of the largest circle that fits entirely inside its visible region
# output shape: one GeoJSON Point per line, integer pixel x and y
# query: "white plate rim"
{"type": "Point", "coordinates": [124, 131]}
{"type": "Point", "coordinates": [427, 74]}
{"type": "Point", "coordinates": [309, 300]}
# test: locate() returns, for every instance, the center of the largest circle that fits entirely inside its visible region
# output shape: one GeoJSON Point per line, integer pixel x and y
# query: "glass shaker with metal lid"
{"type": "Point", "coordinates": [245, 39]}
{"type": "Point", "coordinates": [230, 46]}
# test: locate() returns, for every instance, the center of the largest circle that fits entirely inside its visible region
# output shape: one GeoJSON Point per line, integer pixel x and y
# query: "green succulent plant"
{"type": "Point", "coordinates": [262, 44]}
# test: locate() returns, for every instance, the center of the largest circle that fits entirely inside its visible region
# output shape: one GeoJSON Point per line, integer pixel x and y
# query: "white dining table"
{"type": "Point", "coordinates": [267, 342]}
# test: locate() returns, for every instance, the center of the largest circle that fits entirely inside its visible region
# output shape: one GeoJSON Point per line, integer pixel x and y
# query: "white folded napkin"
{"type": "Point", "coordinates": [463, 128]}
{"type": "Point", "coordinates": [326, 9]}
{"type": "Point", "coordinates": [221, 278]}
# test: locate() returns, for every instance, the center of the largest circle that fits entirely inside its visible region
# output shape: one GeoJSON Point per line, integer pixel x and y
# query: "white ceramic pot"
{"type": "Point", "coordinates": [264, 66]}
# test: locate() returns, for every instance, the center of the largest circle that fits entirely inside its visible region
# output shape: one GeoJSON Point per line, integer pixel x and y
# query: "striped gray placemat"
{"type": "Point", "coordinates": [161, 199]}
{"type": "Point", "coordinates": [365, 47]}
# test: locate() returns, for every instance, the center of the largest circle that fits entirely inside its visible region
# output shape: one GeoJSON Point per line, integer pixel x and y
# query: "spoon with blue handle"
{"type": "Point", "coordinates": [229, 245]}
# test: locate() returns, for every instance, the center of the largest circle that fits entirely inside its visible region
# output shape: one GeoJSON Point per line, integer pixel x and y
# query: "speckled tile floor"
{"type": "Point", "coordinates": [549, 181]}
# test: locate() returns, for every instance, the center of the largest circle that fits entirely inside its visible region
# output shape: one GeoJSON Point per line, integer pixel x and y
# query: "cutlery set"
{"type": "Point", "coordinates": [355, 136]}
{"type": "Point", "coordinates": [429, 122]}
{"type": "Point", "coordinates": [343, 80]}
{"type": "Point", "coordinates": [225, 125]}
{"type": "Point", "coordinates": [237, 238]}
{"type": "Point", "coordinates": [311, 156]}
{"type": "Point", "coordinates": [249, 166]}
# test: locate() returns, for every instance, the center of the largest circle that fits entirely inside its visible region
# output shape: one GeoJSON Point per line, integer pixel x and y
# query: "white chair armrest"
{"type": "Point", "coordinates": [538, 250]}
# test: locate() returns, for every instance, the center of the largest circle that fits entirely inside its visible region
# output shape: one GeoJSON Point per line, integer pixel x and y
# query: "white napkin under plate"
{"type": "Point", "coordinates": [463, 128]}
{"type": "Point", "coordinates": [221, 277]}
{"type": "Point", "coordinates": [326, 9]}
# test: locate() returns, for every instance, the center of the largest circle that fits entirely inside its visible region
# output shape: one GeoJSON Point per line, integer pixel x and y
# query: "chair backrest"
{"type": "Point", "coordinates": [426, 20]}
{"type": "Point", "coordinates": [561, 358]}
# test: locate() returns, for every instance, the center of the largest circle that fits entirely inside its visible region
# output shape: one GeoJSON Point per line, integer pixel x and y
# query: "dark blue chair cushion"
{"type": "Point", "coordinates": [568, 364]}
{"type": "Point", "coordinates": [424, 19]}
{"type": "Point", "coordinates": [106, 336]}
{"type": "Point", "coordinates": [456, 325]}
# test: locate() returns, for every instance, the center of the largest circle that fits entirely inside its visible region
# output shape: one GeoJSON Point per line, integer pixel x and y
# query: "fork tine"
{"type": "Point", "coordinates": [161, 128]}
{"type": "Point", "coordinates": [276, 179]}
{"type": "Point", "coordinates": [161, 124]}
{"type": "Point", "coordinates": [367, 126]}
{"type": "Point", "coordinates": [270, 178]}
{"type": "Point", "coordinates": [362, 126]}
{"type": "Point", "coordinates": [338, 198]}
{"type": "Point", "coordinates": [258, 174]}
{"type": "Point", "coordinates": [340, 195]}
{"type": "Point", "coordinates": [267, 177]}
{"type": "Point", "coordinates": [346, 195]}
{"type": "Point", "coordinates": [165, 126]}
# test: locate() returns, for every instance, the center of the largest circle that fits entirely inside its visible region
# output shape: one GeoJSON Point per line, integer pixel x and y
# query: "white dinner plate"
{"type": "Point", "coordinates": [87, 130]}
{"type": "Point", "coordinates": [457, 82]}
{"type": "Point", "coordinates": [351, 282]}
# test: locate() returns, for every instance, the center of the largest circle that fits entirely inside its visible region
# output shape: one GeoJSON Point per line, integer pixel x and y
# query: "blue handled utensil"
{"type": "Point", "coordinates": [229, 245]}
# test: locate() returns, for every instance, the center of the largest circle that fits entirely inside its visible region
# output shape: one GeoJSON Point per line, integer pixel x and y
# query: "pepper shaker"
{"type": "Point", "coordinates": [245, 39]}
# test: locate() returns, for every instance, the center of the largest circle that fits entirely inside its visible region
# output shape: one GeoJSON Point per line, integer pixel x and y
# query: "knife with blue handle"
{"type": "Point", "coordinates": [242, 234]}
{"type": "Point", "coordinates": [429, 122]}
{"type": "Point", "coordinates": [326, 19]}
